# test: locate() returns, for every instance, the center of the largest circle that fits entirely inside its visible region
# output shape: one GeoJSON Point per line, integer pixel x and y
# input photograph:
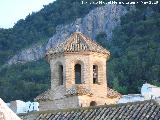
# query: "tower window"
{"type": "Point", "coordinates": [95, 74]}
{"type": "Point", "coordinates": [60, 72]}
{"type": "Point", "coordinates": [78, 74]}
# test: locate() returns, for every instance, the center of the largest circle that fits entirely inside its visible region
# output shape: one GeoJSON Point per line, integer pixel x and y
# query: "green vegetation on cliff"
{"type": "Point", "coordinates": [135, 49]}
{"type": "Point", "coordinates": [38, 27]}
{"type": "Point", "coordinates": [24, 81]}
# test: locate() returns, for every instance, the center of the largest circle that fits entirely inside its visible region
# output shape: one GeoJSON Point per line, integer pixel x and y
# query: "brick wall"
{"type": "Point", "coordinates": [69, 60]}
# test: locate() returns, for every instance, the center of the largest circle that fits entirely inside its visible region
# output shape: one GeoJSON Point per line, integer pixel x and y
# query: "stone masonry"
{"type": "Point", "coordinates": [78, 75]}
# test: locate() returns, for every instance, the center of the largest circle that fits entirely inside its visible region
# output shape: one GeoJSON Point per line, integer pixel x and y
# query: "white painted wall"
{"type": "Point", "coordinates": [32, 106]}
{"type": "Point", "coordinates": [131, 98]}
{"type": "Point", "coordinates": [24, 107]}
{"type": "Point", "coordinates": [150, 91]}
{"type": "Point", "coordinates": [20, 106]}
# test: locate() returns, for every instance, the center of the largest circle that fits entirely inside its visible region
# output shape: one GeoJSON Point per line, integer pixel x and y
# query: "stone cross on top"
{"type": "Point", "coordinates": [77, 28]}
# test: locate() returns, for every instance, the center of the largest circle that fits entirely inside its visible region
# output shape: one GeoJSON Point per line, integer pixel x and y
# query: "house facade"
{"type": "Point", "coordinates": [19, 106]}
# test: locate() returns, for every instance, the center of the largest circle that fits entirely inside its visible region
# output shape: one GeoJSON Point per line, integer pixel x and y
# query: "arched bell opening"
{"type": "Point", "coordinates": [60, 74]}
{"type": "Point", "coordinates": [78, 79]}
{"type": "Point", "coordinates": [95, 74]}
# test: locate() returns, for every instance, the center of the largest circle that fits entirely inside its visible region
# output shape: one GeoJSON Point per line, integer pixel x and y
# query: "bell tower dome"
{"type": "Point", "coordinates": [78, 73]}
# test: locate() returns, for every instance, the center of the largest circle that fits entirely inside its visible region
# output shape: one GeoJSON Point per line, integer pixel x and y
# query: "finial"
{"type": "Point", "coordinates": [77, 28]}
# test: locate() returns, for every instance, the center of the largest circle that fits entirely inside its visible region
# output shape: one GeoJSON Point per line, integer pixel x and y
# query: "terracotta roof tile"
{"type": "Point", "coordinates": [44, 96]}
{"type": "Point", "coordinates": [78, 90]}
{"type": "Point", "coordinates": [146, 110]}
{"type": "Point", "coordinates": [112, 93]}
{"type": "Point", "coordinates": [77, 42]}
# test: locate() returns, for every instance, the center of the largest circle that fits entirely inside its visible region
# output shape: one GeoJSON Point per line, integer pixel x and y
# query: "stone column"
{"type": "Point", "coordinates": [52, 73]}
{"type": "Point", "coordinates": [69, 72]}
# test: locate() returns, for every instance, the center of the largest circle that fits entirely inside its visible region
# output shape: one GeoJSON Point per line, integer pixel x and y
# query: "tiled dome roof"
{"type": "Point", "coordinates": [44, 96]}
{"type": "Point", "coordinates": [112, 93]}
{"type": "Point", "coordinates": [77, 42]}
{"type": "Point", "coordinates": [78, 90]}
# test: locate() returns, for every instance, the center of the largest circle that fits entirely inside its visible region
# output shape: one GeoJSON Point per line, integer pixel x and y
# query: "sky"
{"type": "Point", "coordinates": [13, 10]}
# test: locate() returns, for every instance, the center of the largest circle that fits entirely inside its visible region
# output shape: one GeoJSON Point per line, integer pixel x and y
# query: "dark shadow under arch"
{"type": "Point", "coordinates": [60, 73]}
{"type": "Point", "coordinates": [95, 74]}
{"type": "Point", "coordinates": [93, 103]}
{"type": "Point", "coordinates": [78, 74]}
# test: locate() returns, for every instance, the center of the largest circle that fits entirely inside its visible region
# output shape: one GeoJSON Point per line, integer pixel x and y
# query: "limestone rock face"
{"type": "Point", "coordinates": [101, 19]}
{"type": "Point", "coordinates": [33, 53]}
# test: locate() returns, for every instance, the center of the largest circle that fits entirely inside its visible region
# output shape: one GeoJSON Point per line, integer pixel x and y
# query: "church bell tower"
{"type": "Point", "coordinates": [78, 74]}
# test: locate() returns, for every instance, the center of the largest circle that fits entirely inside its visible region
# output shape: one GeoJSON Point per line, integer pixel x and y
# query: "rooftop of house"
{"type": "Point", "coordinates": [147, 85]}
{"type": "Point", "coordinates": [146, 110]}
{"type": "Point", "coordinates": [78, 90]}
{"type": "Point", "coordinates": [77, 42]}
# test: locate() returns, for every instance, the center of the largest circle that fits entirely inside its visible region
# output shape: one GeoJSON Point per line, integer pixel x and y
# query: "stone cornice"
{"type": "Point", "coordinates": [78, 90]}
{"type": "Point", "coordinates": [50, 55]}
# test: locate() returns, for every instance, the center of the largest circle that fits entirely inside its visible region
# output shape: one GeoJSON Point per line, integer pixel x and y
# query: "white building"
{"type": "Point", "coordinates": [6, 113]}
{"type": "Point", "coordinates": [131, 98]}
{"type": "Point", "coordinates": [150, 91]}
{"type": "Point", "coordinates": [32, 106]}
{"type": "Point", "coordinates": [19, 106]}
{"type": "Point", "coordinates": [147, 92]}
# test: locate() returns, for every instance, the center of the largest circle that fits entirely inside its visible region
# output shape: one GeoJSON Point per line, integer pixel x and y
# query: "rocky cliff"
{"type": "Point", "coordinates": [101, 19]}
